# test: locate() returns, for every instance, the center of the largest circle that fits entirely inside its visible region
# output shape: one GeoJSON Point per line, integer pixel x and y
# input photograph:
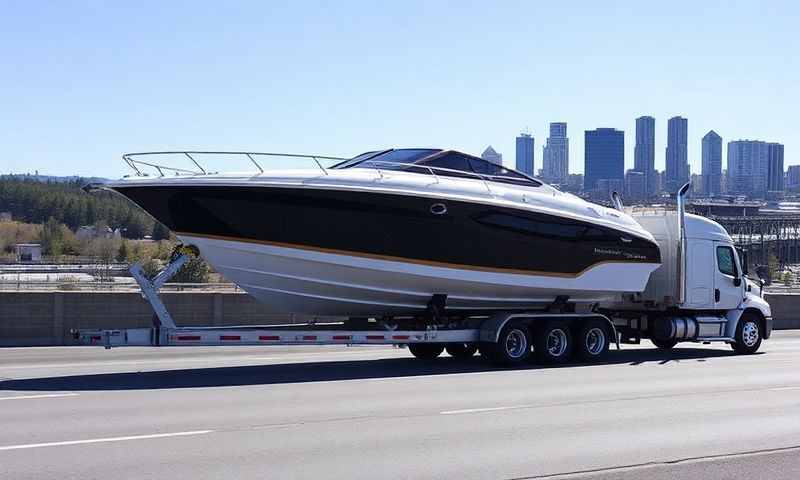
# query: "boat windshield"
{"type": "Point", "coordinates": [441, 162]}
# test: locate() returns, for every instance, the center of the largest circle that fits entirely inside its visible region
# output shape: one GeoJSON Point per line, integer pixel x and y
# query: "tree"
{"type": "Point", "coordinates": [196, 270]}
{"type": "Point", "coordinates": [122, 254]}
{"type": "Point", "coordinates": [51, 237]}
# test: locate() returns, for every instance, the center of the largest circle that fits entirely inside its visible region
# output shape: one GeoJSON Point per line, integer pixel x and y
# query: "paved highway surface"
{"type": "Point", "coordinates": [375, 412]}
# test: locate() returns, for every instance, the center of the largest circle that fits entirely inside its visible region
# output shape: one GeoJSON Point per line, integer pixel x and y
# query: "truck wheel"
{"type": "Point", "coordinates": [513, 346]}
{"type": "Point", "coordinates": [748, 335]}
{"type": "Point", "coordinates": [664, 344]}
{"type": "Point", "coordinates": [553, 342]}
{"type": "Point", "coordinates": [426, 351]}
{"type": "Point", "coordinates": [593, 340]}
{"type": "Point", "coordinates": [461, 350]}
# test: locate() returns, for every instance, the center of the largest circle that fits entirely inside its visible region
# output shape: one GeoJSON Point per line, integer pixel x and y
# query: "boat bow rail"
{"type": "Point", "coordinates": [195, 162]}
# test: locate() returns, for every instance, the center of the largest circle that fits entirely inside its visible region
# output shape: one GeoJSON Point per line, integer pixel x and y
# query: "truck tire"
{"type": "Point", "coordinates": [748, 334]}
{"type": "Point", "coordinates": [592, 341]}
{"type": "Point", "coordinates": [664, 344]}
{"type": "Point", "coordinates": [461, 350]}
{"type": "Point", "coordinates": [512, 348]}
{"type": "Point", "coordinates": [552, 342]}
{"type": "Point", "coordinates": [426, 351]}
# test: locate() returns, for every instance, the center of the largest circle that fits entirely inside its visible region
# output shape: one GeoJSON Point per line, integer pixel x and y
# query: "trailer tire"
{"type": "Point", "coordinates": [748, 334]}
{"type": "Point", "coordinates": [592, 341]}
{"type": "Point", "coordinates": [512, 348]}
{"type": "Point", "coordinates": [552, 342]}
{"type": "Point", "coordinates": [664, 344]}
{"type": "Point", "coordinates": [461, 350]}
{"type": "Point", "coordinates": [426, 351]}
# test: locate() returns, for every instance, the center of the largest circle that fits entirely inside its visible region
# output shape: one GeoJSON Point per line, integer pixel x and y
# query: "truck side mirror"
{"type": "Point", "coordinates": [737, 282]}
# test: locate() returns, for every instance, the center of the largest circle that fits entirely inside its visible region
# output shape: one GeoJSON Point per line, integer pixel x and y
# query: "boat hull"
{"type": "Point", "coordinates": [347, 252]}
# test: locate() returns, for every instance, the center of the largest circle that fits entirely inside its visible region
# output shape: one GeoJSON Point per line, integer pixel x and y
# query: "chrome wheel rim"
{"type": "Point", "coordinates": [556, 342]}
{"type": "Point", "coordinates": [750, 334]}
{"type": "Point", "coordinates": [516, 343]}
{"type": "Point", "coordinates": [595, 341]}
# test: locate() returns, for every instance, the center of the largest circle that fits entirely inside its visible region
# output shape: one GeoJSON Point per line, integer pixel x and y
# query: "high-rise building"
{"type": "Point", "coordinates": [677, 161]}
{"type": "Point", "coordinates": [490, 155]}
{"type": "Point", "coordinates": [556, 154]}
{"type": "Point", "coordinates": [712, 164]}
{"type": "Point", "coordinates": [635, 186]}
{"type": "Point", "coordinates": [747, 168]}
{"type": "Point", "coordinates": [775, 167]}
{"type": "Point", "coordinates": [604, 157]}
{"type": "Point", "coordinates": [793, 178]}
{"type": "Point", "coordinates": [525, 143]}
{"type": "Point", "coordinates": [644, 153]}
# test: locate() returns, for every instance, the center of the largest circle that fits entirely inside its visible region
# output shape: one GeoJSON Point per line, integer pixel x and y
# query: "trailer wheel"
{"type": "Point", "coordinates": [461, 350]}
{"type": "Point", "coordinates": [426, 351]}
{"type": "Point", "coordinates": [748, 335]}
{"type": "Point", "coordinates": [553, 342]}
{"type": "Point", "coordinates": [664, 344]}
{"type": "Point", "coordinates": [513, 345]}
{"type": "Point", "coordinates": [592, 341]}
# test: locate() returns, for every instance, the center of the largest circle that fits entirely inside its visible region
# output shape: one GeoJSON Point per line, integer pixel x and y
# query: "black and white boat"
{"type": "Point", "coordinates": [384, 232]}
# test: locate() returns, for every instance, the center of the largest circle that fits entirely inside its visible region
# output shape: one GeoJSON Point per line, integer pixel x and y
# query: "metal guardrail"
{"type": "Point", "coordinates": [194, 155]}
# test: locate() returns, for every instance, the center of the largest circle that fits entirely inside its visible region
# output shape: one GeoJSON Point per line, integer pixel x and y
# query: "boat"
{"type": "Point", "coordinates": [387, 231]}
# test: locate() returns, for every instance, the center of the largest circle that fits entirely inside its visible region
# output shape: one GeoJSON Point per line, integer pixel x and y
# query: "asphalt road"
{"type": "Point", "coordinates": [375, 412]}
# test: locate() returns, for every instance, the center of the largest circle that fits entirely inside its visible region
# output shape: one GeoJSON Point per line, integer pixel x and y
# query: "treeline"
{"type": "Point", "coordinates": [34, 201]}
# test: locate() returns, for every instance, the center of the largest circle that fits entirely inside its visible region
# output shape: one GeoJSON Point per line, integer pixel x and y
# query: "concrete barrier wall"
{"type": "Point", "coordinates": [46, 318]}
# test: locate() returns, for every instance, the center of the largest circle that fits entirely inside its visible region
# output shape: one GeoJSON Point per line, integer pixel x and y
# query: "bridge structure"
{"type": "Point", "coordinates": [764, 236]}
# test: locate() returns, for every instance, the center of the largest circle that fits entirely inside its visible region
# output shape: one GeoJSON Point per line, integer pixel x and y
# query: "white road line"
{"type": "Point", "coordinates": [104, 440]}
{"type": "Point", "coordinates": [48, 395]}
{"type": "Point", "coordinates": [480, 410]}
{"type": "Point", "coordinates": [777, 389]}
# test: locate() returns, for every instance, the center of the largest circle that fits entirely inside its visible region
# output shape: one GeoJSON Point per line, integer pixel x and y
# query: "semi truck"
{"type": "Point", "coordinates": [700, 293]}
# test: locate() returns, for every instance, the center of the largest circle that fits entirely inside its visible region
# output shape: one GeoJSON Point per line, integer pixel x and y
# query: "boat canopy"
{"type": "Point", "coordinates": [440, 162]}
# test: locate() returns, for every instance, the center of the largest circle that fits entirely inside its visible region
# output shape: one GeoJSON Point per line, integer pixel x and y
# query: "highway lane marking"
{"type": "Point", "coordinates": [486, 409]}
{"type": "Point", "coordinates": [104, 440]}
{"type": "Point", "coordinates": [778, 389]}
{"type": "Point", "coordinates": [47, 395]}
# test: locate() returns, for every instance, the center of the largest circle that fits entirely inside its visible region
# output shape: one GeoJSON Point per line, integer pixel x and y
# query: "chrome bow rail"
{"type": "Point", "coordinates": [194, 156]}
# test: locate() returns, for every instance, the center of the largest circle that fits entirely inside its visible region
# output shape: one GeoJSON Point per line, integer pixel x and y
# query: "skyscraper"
{"type": "Point", "coordinates": [644, 153]}
{"type": "Point", "coordinates": [492, 156]}
{"type": "Point", "coordinates": [712, 164]}
{"type": "Point", "coordinates": [556, 154]}
{"type": "Point", "coordinates": [677, 161]}
{"type": "Point", "coordinates": [774, 167]}
{"type": "Point", "coordinates": [747, 167]}
{"type": "Point", "coordinates": [604, 157]}
{"type": "Point", "coordinates": [525, 153]}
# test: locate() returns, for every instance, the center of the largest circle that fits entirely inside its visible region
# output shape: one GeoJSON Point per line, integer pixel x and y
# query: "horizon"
{"type": "Point", "coordinates": [346, 78]}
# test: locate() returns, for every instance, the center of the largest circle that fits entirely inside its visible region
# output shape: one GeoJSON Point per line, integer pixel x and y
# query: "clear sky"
{"type": "Point", "coordinates": [83, 82]}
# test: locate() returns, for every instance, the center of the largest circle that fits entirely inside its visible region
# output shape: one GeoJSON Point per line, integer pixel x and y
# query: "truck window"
{"type": "Point", "coordinates": [725, 261]}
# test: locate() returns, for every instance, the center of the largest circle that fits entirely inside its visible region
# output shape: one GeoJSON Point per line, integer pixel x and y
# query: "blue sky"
{"type": "Point", "coordinates": [83, 82]}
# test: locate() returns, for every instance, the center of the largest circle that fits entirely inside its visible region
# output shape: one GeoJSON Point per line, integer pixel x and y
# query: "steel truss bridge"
{"type": "Point", "coordinates": [765, 235]}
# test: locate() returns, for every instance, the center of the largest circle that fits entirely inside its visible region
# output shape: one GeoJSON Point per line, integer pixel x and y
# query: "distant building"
{"type": "Point", "coordinates": [604, 158]}
{"type": "Point", "coordinates": [574, 183]}
{"type": "Point", "coordinates": [635, 186]}
{"type": "Point", "coordinates": [556, 154]}
{"type": "Point", "coordinates": [606, 186]}
{"type": "Point", "coordinates": [677, 161]}
{"type": "Point", "coordinates": [747, 168]}
{"type": "Point", "coordinates": [490, 155]}
{"type": "Point", "coordinates": [5, 216]}
{"type": "Point", "coordinates": [775, 167]}
{"type": "Point", "coordinates": [712, 164]}
{"type": "Point", "coordinates": [793, 177]}
{"type": "Point", "coordinates": [89, 232]}
{"type": "Point", "coordinates": [28, 252]}
{"type": "Point", "coordinates": [697, 183]}
{"type": "Point", "coordinates": [525, 144]}
{"type": "Point", "coordinates": [644, 152]}
{"type": "Point", "coordinates": [659, 183]}
{"type": "Point", "coordinates": [724, 208]}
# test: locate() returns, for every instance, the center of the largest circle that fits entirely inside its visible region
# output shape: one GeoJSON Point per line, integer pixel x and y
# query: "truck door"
{"type": "Point", "coordinates": [727, 294]}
